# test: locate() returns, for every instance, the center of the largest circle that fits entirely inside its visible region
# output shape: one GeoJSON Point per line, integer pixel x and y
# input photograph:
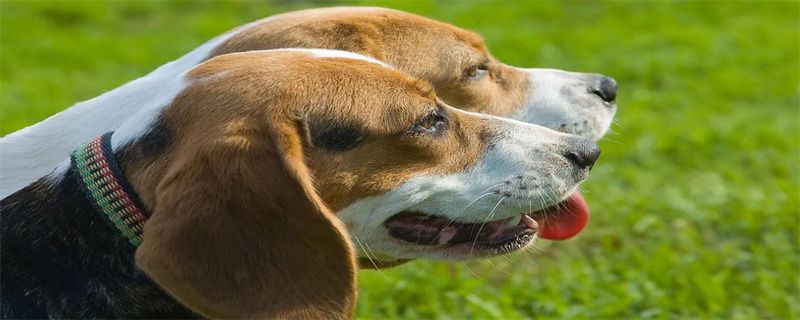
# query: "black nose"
{"type": "Point", "coordinates": [583, 154]}
{"type": "Point", "coordinates": [605, 88]}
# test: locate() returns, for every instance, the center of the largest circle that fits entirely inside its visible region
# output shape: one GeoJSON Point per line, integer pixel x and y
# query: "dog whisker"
{"type": "Point", "coordinates": [489, 261]}
{"type": "Point", "coordinates": [472, 272]}
{"type": "Point", "coordinates": [375, 265]}
{"type": "Point", "coordinates": [449, 223]}
{"type": "Point", "coordinates": [488, 217]}
{"type": "Point", "coordinates": [606, 138]}
{"type": "Point", "coordinates": [544, 205]}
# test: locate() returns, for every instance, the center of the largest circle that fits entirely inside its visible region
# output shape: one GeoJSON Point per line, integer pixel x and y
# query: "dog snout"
{"type": "Point", "coordinates": [605, 88]}
{"type": "Point", "coordinates": [582, 153]}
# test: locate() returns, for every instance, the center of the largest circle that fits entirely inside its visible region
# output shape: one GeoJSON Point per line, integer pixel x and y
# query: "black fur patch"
{"type": "Point", "coordinates": [335, 137]}
{"type": "Point", "coordinates": [157, 139]}
{"type": "Point", "coordinates": [145, 149]}
{"type": "Point", "coordinates": [62, 259]}
{"type": "Point", "coordinates": [153, 143]}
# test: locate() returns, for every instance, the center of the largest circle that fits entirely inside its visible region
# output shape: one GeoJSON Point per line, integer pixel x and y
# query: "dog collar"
{"type": "Point", "coordinates": [105, 186]}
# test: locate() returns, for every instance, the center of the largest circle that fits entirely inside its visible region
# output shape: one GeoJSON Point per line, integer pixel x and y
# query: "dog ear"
{"type": "Point", "coordinates": [238, 231]}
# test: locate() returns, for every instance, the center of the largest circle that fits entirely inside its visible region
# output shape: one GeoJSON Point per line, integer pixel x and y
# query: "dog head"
{"type": "Point", "coordinates": [260, 151]}
{"type": "Point", "coordinates": [455, 61]}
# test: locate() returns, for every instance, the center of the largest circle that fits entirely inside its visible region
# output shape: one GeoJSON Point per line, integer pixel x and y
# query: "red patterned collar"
{"type": "Point", "coordinates": [105, 186]}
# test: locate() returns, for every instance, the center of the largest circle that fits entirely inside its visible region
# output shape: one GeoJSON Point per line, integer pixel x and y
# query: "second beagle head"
{"type": "Point", "coordinates": [269, 167]}
{"type": "Point", "coordinates": [455, 61]}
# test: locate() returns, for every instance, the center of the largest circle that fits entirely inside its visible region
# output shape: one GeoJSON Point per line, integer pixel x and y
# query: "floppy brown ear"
{"type": "Point", "coordinates": [237, 231]}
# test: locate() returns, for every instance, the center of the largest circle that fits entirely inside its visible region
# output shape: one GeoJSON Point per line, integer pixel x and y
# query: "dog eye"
{"type": "Point", "coordinates": [477, 72]}
{"type": "Point", "coordinates": [435, 122]}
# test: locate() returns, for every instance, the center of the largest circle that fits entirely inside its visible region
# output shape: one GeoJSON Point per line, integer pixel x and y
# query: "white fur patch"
{"type": "Point", "coordinates": [322, 53]}
{"type": "Point", "coordinates": [325, 53]}
{"type": "Point", "coordinates": [32, 152]}
{"type": "Point", "coordinates": [141, 122]}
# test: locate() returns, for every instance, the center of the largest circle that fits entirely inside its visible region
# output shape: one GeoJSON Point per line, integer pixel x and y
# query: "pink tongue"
{"type": "Point", "coordinates": [567, 221]}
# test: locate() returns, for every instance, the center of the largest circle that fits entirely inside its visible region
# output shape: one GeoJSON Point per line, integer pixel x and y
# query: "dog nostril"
{"type": "Point", "coordinates": [573, 157]}
{"type": "Point", "coordinates": [605, 88]}
{"type": "Point", "coordinates": [584, 156]}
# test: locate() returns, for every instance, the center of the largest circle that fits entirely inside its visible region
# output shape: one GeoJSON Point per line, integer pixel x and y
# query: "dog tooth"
{"type": "Point", "coordinates": [447, 234]}
{"type": "Point", "coordinates": [528, 221]}
{"type": "Point", "coordinates": [513, 221]}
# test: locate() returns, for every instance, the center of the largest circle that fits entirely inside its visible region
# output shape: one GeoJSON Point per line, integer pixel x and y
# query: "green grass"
{"type": "Point", "coordinates": [695, 199]}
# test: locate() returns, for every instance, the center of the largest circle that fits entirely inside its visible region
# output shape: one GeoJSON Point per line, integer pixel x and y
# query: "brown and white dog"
{"type": "Point", "coordinates": [454, 61]}
{"type": "Point", "coordinates": [244, 172]}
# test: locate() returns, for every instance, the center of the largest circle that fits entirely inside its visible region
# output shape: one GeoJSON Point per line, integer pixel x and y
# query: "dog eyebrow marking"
{"type": "Point", "coordinates": [334, 136]}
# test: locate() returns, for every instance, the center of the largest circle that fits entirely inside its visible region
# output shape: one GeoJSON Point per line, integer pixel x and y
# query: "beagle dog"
{"type": "Point", "coordinates": [245, 193]}
{"type": "Point", "coordinates": [454, 61]}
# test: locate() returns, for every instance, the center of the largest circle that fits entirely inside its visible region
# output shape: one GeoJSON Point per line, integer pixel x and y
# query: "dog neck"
{"type": "Point", "coordinates": [61, 258]}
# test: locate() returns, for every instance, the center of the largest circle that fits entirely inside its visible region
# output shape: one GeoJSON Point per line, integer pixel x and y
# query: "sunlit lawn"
{"type": "Point", "coordinates": [696, 196]}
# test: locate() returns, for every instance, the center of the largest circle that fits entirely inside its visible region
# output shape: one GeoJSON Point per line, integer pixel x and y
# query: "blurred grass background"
{"type": "Point", "coordinates": [695, 199]}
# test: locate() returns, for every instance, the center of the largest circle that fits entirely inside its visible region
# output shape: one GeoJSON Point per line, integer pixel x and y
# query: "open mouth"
{"type": "Point", "coordinates": [557, 222]}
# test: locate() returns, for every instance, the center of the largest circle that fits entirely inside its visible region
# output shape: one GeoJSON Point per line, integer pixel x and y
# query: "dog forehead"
{"type": "Point", "coordinates": [325, 84]}
{"type": "Point", "coordinates": [364, 29]}
{"type": "Point", "coordinates": [354, 15]}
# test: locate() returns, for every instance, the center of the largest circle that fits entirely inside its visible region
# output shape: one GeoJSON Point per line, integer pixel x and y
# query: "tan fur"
{"type": "Point", "coordinates": [242, 188]}
{"type": "Point", "coordinates": [422, 47]}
